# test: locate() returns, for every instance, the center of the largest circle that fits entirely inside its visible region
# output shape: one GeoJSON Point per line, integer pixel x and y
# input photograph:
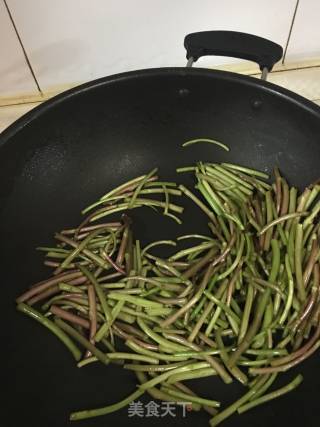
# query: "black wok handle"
{"type": "Point", "coordinates": [231, 43]}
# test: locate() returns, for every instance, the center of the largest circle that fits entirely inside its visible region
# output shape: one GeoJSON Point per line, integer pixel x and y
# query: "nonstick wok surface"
{"type": "Point", "coordinates": [72, 149]}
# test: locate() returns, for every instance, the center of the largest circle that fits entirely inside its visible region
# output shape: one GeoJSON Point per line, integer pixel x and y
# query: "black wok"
{"type": "Point", "coordinates": [67, 152]}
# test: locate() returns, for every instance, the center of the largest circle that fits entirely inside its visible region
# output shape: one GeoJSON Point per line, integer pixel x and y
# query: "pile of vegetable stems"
{"type": "Point", "coordinates": [240, 303]}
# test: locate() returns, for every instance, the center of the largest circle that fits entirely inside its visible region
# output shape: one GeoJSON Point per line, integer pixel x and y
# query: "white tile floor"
{"type": "Point", "coordinates": [12, 112]}
{"type": "Point", "coordinates": [306, 82]}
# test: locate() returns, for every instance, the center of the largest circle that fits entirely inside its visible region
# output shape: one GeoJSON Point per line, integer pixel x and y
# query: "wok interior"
{"type": "Point", "coordinates": [71, 150]}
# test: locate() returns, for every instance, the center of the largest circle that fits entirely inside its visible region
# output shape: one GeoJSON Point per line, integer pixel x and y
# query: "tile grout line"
{"type": "Point", "coordinates": [290, 31]}
{"type": "Point", "coordinates": [22, 46]}
{"type": "Point", "coordinates": [17, 104]}
{"type": "Point", "coordinates": [310, 67]}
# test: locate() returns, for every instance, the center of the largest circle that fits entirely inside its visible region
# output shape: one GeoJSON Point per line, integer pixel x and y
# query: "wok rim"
{"type": "Point", "coordinates": [263, 85]}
